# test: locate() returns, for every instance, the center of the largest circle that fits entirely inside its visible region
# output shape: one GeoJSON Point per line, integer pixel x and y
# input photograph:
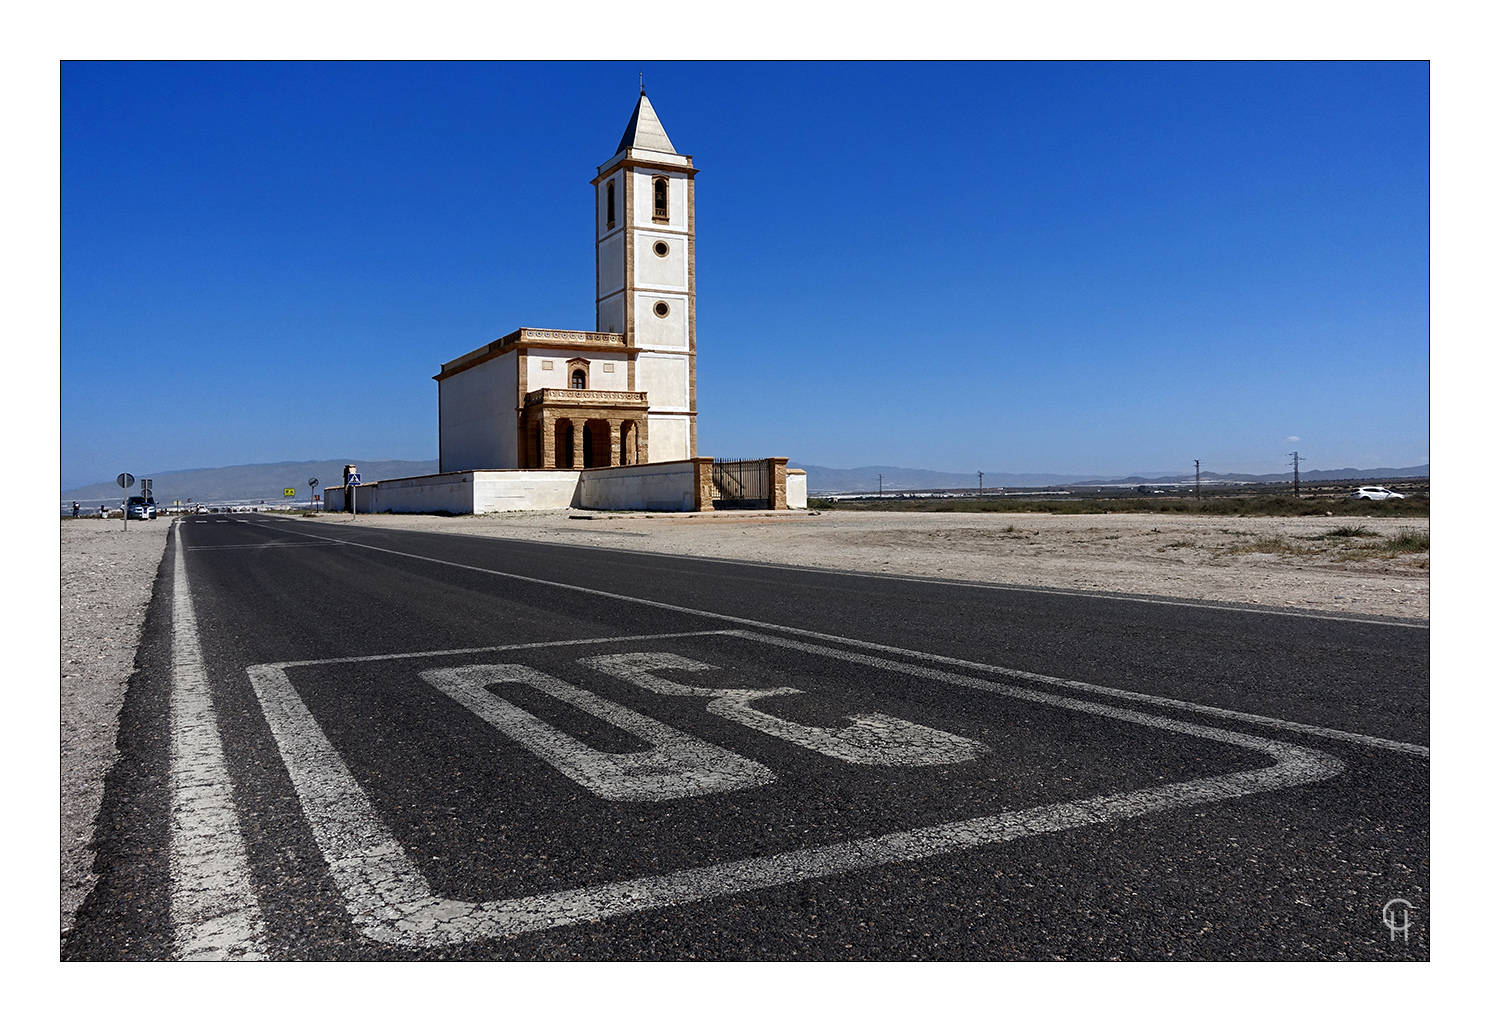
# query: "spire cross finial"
{"type": "Point", "coordinates": [641, 82]}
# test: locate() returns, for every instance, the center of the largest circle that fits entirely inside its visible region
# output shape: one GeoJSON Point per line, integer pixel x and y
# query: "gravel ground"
{"type": "Point", "coordinates": [108, 574]}
{"type": "Point", "coordinates": [107, 577]}
{"type": "Point", "coordinates": [1277, 562]}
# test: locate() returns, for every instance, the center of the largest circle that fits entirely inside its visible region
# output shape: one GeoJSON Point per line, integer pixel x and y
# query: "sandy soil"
{"type": "Point", "coordinates": [1278, 562]}
{"type": "Point", "coordinates": [107, 577]}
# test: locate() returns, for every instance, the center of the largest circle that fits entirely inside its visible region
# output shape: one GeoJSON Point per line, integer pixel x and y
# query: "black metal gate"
{"type": "Point", "coordinates": [742, 484]}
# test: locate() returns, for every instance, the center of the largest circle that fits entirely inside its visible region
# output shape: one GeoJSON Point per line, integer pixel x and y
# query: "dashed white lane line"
{"type": "Point", "coordinates": [214, 913]}
{"type": "Point", "coordinates": [391, 902]}
{"type": "Point", "coordinates": [1081, 686]}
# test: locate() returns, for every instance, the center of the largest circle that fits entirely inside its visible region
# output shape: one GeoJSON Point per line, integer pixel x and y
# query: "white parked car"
{"type": "Point", "coordinates": [1376, 493]}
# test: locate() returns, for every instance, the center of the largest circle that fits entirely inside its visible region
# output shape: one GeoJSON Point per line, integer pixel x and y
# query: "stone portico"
{"type": "Point", "coordinates": [569, 429]}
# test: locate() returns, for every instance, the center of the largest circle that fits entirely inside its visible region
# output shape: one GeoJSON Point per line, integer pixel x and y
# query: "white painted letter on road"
{"type": "Point", "coordinates": [872, 739]}
{"type": "Point", "coordinates": [676, 766]}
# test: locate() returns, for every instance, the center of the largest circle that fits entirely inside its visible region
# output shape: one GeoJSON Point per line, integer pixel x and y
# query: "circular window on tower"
{"type": "Point", "coordinates": [661, 309]}
{"type": "Point", "coordinates": [660, 248]}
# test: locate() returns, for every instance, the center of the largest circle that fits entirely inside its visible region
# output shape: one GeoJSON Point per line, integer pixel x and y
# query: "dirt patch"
{"type": "Point", "coordinates": [107, 578]}
{"type": "Point", "coordinates": [1361, 565]}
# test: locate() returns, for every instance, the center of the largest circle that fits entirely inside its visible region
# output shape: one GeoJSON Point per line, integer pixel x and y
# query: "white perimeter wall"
{"type": "Point", "coordinates": [462, 493]}
{"type": "Point", "coordinates": [658, 486]}
{"type": "Point", "coordinates": [666, 486]}
{"type": "Point", "coordinates": [524, 491]}
{"type": "Point", "coordinates": [796, 488]}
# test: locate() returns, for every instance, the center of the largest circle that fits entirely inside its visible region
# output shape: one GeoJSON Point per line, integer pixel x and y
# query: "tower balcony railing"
{"type": "Point", "coordinates": [561, 396]}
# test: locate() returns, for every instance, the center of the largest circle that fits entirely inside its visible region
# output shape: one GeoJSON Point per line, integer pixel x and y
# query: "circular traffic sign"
{"type": "Point", "coordinates": [125, 480]}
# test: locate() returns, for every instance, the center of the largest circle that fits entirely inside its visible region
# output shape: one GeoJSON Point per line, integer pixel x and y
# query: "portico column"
{"type": "Point", "coordinates": [577, 442]}
{"type": "Point", "coordinates": [550, 448]}
{"type": "Point", "coordinates": [615, 440]}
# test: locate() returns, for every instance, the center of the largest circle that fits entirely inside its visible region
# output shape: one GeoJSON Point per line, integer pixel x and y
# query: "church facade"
{"type": "Point", "coordinates": [623, 393]}
{"type": "Point", "coordinates": [600, 419]}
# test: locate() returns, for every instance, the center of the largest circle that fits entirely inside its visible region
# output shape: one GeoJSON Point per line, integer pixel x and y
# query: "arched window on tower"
{"type": "Point", "coordinates": [659, 199]}
{"type": "Point", "coordinates": [610, 204]}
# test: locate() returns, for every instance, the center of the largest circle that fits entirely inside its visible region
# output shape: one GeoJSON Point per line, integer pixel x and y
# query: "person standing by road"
{"type": "Point", "coordinates": [75, 509]}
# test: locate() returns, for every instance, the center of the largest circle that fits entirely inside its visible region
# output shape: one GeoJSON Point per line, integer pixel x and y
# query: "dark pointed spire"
{"type": "Point", "coordinates": [644, 130]}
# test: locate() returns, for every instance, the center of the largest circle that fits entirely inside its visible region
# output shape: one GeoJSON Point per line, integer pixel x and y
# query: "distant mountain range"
{"type": "Point", "coordinates": [253, 483]}
{"type": "Point", "coordinates": [249, 484]}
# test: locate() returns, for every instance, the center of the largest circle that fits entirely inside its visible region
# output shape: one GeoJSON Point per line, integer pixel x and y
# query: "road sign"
{"type": "Point", "coordinates": [125, 481]}
{"type": "Point", "coordinates": [355, 479]}
{"type": "Point", "coordinates": [314, 482]}
{"type": "Point", "coordinates": [289, 491]}
{"type": "Point", "coordinates": [147, 487]}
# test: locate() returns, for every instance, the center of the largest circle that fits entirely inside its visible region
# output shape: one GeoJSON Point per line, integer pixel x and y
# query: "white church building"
{"type": "Point", "coordinates": [603, 418]}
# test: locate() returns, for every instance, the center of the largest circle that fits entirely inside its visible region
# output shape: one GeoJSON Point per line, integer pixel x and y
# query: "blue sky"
{"type": "Point", "coordinates": [1090, 268]}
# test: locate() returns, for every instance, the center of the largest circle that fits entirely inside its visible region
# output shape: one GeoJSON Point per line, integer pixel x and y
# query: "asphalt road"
{"type": "Point", "coordinates": [362, 744]}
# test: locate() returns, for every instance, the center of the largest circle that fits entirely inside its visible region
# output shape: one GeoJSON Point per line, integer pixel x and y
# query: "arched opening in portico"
{"type": "Point", "coordinates": [564, 444]}
{"type": "Point", "coordinates": [628, 442]}
{"type": "Point", "coordinates": [597, 443]}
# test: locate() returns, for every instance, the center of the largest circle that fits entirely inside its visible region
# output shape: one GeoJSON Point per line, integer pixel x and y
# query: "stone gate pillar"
{"type": "Point", "coordinates": [776, 501]}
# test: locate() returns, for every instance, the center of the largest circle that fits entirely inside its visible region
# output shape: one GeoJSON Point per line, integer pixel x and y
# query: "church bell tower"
{"type": "Point", "coordinates": [644, 281]}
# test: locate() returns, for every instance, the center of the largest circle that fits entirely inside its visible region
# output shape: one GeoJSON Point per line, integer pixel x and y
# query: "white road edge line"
{"type": "Point", "coordinates": [214, 913]}
{"type": "Point", "coordinates": [391, 902]}
{"type": "Point", "coordinates": [1093, 594]}
{"type": "Point", "coordinates": [1115, 693]}
{"type": "Point", "coordinates": [1241, 608]}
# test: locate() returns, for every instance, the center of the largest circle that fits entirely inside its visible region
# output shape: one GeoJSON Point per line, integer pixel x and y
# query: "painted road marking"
{"type": "Point", "coordinates": [1115, 693]}
{"type": "Point", "coordinates": [390, 901]}
{"type": "Point", "coordinates": [273, 544]}
{"type": "Point", "coordinates": [213, 909]}
{"type": "Point", "coordinates": [677, 765]}
{"type": "Point", "coordinates": [1240, 608]}
{"type": "Point", "coordinates": [873, 738]}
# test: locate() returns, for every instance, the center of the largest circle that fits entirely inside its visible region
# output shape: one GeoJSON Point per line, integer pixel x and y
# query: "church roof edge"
{"type": "Point", "coordinates": [646, 158]}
